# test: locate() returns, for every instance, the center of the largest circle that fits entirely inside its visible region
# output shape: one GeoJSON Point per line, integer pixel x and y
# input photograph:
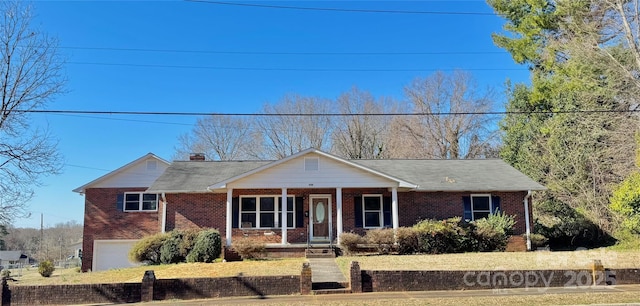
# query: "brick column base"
{"type": "Point", "coordinates": [146, 291]}
{"type": "Point", "coordinates": [305, 279]}
{"type": "Point", "coordinates": [355, 277]}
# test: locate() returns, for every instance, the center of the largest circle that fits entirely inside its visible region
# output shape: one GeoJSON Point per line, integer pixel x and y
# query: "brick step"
{"type": "Point", "coordinates": [332, 291]}
{"type": "Point", "coordinates": [329, 285]}
{"type": "Point", "coordinates": [320, 253]}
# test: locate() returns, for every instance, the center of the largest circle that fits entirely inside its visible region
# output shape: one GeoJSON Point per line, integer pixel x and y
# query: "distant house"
{"type": "Point", "coordinates": [13, 258]}
{"type": "Point", "coordinates": [325, 195]}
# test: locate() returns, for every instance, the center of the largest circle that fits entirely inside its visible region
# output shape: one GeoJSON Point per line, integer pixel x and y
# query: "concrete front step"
{"type": "Point", "coordinates": [330, 287]}
{"type": "Point", "coordinates": [320, 253]}
{"type": "Point", "coordinates": [332, 291]}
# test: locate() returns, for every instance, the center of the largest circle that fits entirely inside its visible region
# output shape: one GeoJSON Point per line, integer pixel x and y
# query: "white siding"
{"type": "Point", "coordinates": [330, 174]}
{"type": "Point", "coordinates": [137, 175]}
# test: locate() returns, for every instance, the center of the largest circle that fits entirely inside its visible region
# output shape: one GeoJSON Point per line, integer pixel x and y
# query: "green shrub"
{"type": "Point", "coordinates": [46, 268]}
{"type": "Point", "coordinates": [625, 201]}
{"type": "Point", "coordinates": [249, 248]}
{"type": "Point", "coordinates": [177, 245]}
{"type": "Point", "coordinates": [441, 236]}
{"type": "Point", "coordinates": [408, 240]}
{"type": "Point", "coordinates": [383, 238]}
{"type": "Point", "coordinates": [147, 250]}
{"type": "Point", "coordinates": [493, 231]}
{"type": "Point", "coordinates": [187, 240]}
{"type": "Point", "coordinates": [207, 247]}
{"type": "Point", "coordinates": [169, 252]}
{"type": "Point", "coordinates": [349, 242]}
{"type": "Point", "coordinates": [537, 240]}
{"type": "Point", "coordinates": [5, 274]}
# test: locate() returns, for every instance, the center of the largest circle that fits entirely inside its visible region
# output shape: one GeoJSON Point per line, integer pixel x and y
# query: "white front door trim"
{"type": "Point", "coordinates": [311, 212]}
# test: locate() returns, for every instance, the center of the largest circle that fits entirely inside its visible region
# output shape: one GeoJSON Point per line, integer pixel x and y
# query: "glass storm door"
{"type": "Point", "coordinates": [320, 217]}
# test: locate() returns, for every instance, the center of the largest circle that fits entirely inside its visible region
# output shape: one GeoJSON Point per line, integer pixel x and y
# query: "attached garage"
{"type": "Point", "coordinates": [112, 254]}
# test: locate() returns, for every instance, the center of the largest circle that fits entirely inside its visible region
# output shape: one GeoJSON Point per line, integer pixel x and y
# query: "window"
{"type": "Point", "coordinates": [481, 206]}
{"type": "Point", "coordinates": [262, 211]}
{"type": "Point", "coordinates": [138, 201]}
{"type": "Point", "coordinates": [372, 210]}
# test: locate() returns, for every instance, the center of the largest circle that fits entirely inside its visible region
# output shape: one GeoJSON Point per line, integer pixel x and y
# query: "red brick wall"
{"type": "Point", "coordinates": [416, 206]}
{"type": "Point", "coordinates": [102, 220]}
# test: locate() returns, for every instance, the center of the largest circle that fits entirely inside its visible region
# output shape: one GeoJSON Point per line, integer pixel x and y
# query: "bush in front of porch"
{"type": "Point", "coordinates": [436, 237]}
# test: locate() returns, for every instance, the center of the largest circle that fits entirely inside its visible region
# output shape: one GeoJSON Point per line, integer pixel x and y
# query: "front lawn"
{"type": "Point", "coordinates": [289, 266]}
{"type": "Point", "coordinates": [496, 260]}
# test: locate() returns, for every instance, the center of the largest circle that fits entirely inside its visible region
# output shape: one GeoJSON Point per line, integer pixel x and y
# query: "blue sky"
{"type": "Point", "coordinates": [198, 76]}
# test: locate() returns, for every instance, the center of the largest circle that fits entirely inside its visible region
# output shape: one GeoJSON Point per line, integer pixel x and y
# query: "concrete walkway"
{"type": "Point", "coordinates": [325, 270]}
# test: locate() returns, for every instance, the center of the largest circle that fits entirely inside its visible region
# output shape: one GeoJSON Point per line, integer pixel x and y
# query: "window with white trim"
{"type": "Point", "coordinates": [140, 201]}
{"type": "Point", "coordinates": [481, 206]}
{"type": "Point", "coordinates": [262, 211]}
{"type": "Point", "coordinates": [372, 210]}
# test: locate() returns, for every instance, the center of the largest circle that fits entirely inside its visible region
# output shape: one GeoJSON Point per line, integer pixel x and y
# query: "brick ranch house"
{"type": "Point", "coordinates": [325, 195]}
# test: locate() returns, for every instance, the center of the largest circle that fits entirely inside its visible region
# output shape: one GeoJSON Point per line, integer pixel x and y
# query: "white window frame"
{"type": "Point", "coordinates": [480, 195]}
{"type": "Point", "coordinates": [379, 211]}
{"type": "Point", "coordinates": [276, 212]}
{"type": "Point", "coordinates": [140, 202]}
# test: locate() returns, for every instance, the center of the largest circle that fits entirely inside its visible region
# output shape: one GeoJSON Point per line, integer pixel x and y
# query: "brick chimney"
{"type": "Point", "coordinates": [196, 156]}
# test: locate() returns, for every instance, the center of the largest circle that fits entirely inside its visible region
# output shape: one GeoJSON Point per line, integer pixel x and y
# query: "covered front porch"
{"type": "Point", "coordinates": [313, 216]}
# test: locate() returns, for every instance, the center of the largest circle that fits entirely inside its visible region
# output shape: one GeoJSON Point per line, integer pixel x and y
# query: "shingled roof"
{"type": "Point", "coordinates": [428, 175]}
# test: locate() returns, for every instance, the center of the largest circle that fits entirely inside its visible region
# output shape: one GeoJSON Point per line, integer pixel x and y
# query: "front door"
{"type": "Point", "coordinates": [320, 217]}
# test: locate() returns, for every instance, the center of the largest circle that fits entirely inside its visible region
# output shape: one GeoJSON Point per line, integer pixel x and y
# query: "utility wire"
{"type": "Point", "coordinates": [295, 69]}
{"type": "Point", "coordinates": [284, 52]}
{"type": "Point", "coordinates": [95, 112]}
{"type": "Point", "coordinates": [333, 9]}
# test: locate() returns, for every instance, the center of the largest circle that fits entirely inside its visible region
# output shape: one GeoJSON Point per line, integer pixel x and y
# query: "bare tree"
{"type": "Point", "coordinates": [284, 134]}
{"type": "Point", "coordinates": [30, 77]}
{"type": "Point", "coordinates": [219, 137]}
{"type": "Point", "coordinates": [361, 136]}
{"type": "Point", "coordinates": [439, 133]}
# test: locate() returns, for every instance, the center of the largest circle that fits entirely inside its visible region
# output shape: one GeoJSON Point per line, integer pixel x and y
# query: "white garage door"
{"type": "Point", "coordinates": [112, 254]}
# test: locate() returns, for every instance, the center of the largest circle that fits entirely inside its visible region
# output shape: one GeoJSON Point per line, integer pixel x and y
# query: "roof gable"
{"type": "Point", "coordinates": [291, 172]}
{"type": "Point", "coordinates": [141, 172]}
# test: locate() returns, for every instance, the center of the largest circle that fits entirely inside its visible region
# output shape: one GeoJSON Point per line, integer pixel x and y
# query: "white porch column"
{"type": "Point", "coordinates": [338, 213]}
{"type": "Point", "coordinates": [229, 215]}
{"type": "Point", "coordinates": [394, 208]}
{"type": "Point", "coordinates": [283, 224]}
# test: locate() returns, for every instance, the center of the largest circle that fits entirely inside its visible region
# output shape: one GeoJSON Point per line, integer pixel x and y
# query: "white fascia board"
{"type": "Point", "coordinates": [81, 189]}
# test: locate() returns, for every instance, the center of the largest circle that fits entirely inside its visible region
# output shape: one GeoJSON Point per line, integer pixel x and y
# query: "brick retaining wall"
{"type": "Point", "coordinates": [73, 294]}
{"type": "Point", "coordinates": [200, 288]}
{"type": "Point", "coordinates": [380, 281]}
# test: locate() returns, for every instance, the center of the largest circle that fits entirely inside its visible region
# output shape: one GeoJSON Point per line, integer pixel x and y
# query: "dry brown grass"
{"type": "Point", "coordinates": [496, 260]}
{"type": "Point", "coordinates": [546, 299]}
{"type": "Point", "coordinates": [291, 266]}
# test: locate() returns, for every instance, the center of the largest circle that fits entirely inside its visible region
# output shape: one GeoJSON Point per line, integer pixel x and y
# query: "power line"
{"type": "Point", "coordinates": [295, 69]}
{"type": "Point", "coordinates": [95, 112]}
{"type": "Point", "coordinates": [333, 9]}
{"type": "Point", "coordinates": [121, 119]}
{"type": "Point", "coordinates": [284, 52]}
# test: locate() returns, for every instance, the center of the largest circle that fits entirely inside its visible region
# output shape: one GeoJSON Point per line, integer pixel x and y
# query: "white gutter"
{"type": "Point", "coordinates": [164, 212]}
{"type": "Point", "coordinates": [526, 219]}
